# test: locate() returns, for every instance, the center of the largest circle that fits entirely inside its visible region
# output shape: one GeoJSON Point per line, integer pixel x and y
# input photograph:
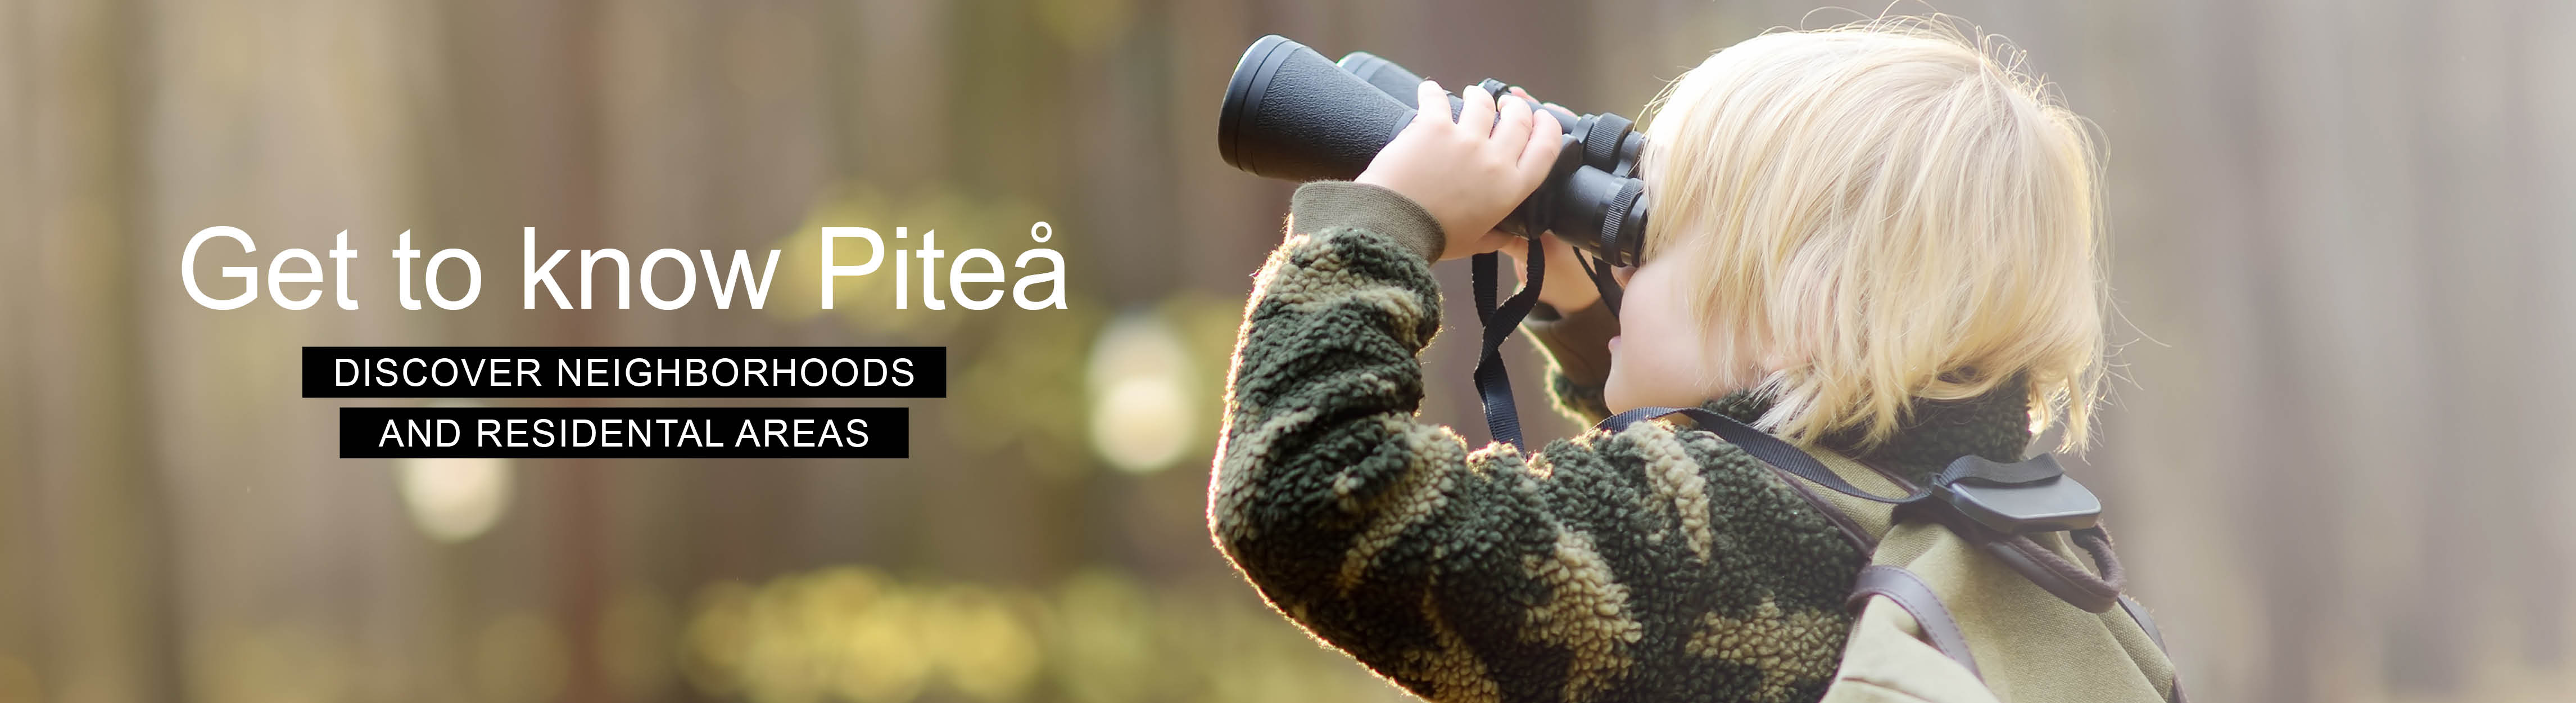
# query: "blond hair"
{"type": "Point", "coordinates": [1888, 211]}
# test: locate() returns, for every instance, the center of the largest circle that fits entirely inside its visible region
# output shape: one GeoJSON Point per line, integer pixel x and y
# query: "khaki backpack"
{"type": "Point", "coordinates": [1976, 589]}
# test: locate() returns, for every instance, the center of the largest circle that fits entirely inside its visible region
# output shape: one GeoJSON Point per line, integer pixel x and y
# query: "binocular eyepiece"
{"type": "Point", "coordinates": [1291, 114]}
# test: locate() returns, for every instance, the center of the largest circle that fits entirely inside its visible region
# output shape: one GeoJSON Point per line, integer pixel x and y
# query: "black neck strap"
{"type": "Point", "coordinates": [1492, 381]}
{"type": "Point", "coordinates": [1771, 450]}
{"type": "Point", "coordinates": [1972, 471]}
{"type": "Point", "coordinates": [1502, 417]}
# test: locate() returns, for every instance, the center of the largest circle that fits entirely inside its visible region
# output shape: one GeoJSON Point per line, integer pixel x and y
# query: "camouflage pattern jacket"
{"type": "Point", "coordinates": [1654, 564]}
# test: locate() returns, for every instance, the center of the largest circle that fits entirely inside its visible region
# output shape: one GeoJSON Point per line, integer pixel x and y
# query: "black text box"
{"type": "Point", "coordinates": [773, 432]}
{"type": "Point", "coordinates": [625, 372]}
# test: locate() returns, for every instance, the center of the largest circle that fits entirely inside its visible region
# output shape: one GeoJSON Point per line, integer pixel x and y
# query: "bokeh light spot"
{"type": "Point", "coordinates": [1141, 390]}
{"type": "Point", "coordinates": [455, 499]}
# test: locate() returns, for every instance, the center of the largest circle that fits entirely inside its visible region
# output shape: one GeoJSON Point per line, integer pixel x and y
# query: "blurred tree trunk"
{"type": "Point", "coordinates": [103, 600]}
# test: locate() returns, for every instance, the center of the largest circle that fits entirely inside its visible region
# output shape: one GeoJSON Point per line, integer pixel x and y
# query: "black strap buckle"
{"type": "Point", "coordinates": [2032, 495]}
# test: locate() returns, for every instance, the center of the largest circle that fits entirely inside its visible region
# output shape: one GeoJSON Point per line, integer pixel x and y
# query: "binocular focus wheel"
{"type": "Point", "coordinates": [1601, 140]}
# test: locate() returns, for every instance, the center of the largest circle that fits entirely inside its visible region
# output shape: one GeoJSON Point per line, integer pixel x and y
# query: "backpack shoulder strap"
{"type": "Point", "coordinates": [2145, 622]}
{"type": "Point", "coordinates": [2138, 612]}
{"type": "Point", "coordinates": [1916, 598]}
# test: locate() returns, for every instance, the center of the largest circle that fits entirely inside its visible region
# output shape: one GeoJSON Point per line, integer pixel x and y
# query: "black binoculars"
{"type": "Point", "coordinates": [1290, 114]}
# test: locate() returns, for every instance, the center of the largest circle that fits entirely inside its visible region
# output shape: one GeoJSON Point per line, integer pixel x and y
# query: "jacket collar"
{"type": "Point", "coordinates": [1935, 432]}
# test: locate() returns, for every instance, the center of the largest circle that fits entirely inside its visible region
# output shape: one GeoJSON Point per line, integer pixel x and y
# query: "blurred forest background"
{"type": "Point", "coordinates": [2335, 456]}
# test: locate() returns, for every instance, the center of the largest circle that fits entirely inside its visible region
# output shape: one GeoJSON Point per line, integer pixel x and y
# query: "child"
{"type": "Point", "coordinates": [1875, 241]}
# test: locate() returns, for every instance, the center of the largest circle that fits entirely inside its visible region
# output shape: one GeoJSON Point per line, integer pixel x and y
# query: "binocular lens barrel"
{"type": "Point", "coordinates": [1389, 78]}
{"type": "Point", "coordinates": [1292, 115]}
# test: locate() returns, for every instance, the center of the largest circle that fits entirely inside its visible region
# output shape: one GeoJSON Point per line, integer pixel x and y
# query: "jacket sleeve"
{"type": "Point", "coordinates": [1649, 564]}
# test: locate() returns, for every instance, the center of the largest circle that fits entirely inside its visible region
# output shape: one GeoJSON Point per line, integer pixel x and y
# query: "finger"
{"type": "Point", "coordinates": [1539, 154]}
{"type": "Point", "coordinates": [1557, 248]}
{"type": "Point", "coordinates": [1537, 103]}
{"type": "Point", "coordinates": [1518, 249]}
{"type": "Point", "coordinates": [1494, 241]}
{"type": "Point", "coordinates": [1512, 133]}
{"type": "Point", "coordinates": [1478, 116]}
{"type": "Point", "coordinates": [1432, 101]}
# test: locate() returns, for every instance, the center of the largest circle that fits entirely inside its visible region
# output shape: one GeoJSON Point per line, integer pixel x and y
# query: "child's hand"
{"type": "Point", "coordinates": [1567, 288]}
{"type": "Point", "coordinates": [1468, 174]}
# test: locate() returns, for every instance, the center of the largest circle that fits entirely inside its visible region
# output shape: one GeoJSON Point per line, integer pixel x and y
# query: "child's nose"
{"type": "Point", "coordinates": [1622, 274]}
